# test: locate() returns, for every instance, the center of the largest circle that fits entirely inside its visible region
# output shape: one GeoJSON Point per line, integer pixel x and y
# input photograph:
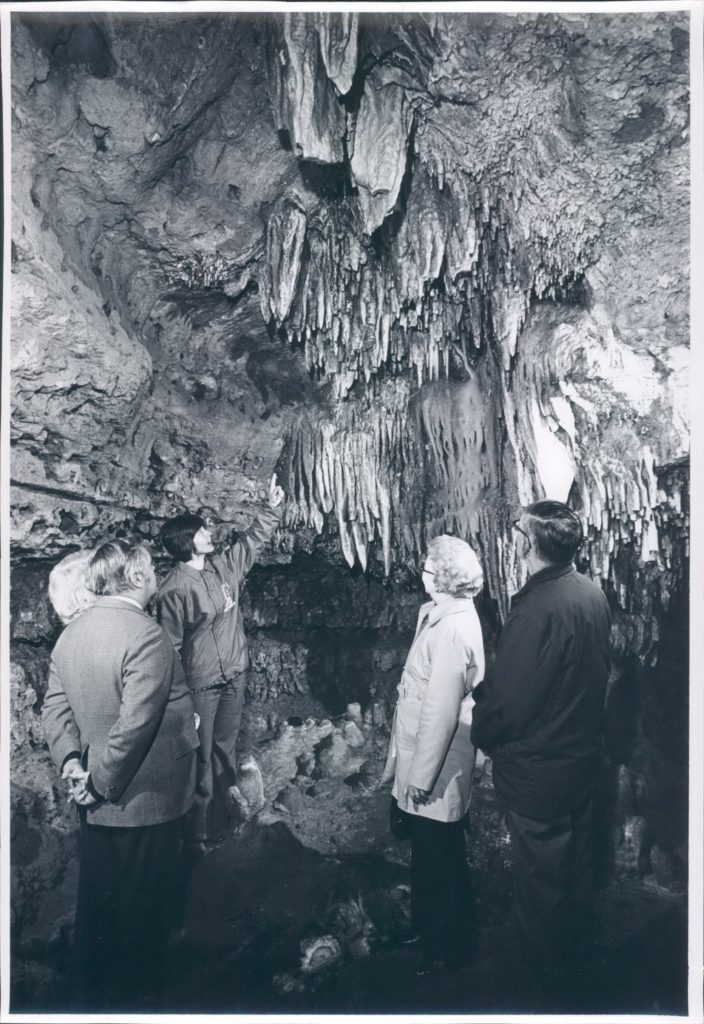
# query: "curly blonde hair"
{"type": "Point", "coordinates": [457, 568]}
{"type": "Point", "coordinates": [68, 585]}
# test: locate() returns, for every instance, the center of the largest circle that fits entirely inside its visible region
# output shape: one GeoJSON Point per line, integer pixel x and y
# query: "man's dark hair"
{"type": "Point", "coordinates": [556, 530]}
{"type": "Point", "coordinates": [177, 535]}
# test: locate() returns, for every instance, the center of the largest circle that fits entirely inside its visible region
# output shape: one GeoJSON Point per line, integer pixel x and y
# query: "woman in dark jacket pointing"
{"type": "Point", "coordinates": [198, 605]}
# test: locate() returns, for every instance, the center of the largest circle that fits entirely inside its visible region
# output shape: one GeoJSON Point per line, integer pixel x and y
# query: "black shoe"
{"type": "Point", "coordinates": [410, 940]}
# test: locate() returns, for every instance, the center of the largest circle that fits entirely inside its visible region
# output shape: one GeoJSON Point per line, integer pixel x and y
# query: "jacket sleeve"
{"type": "Point", "coordinates": [147, 674]}
{"type": "Point", "coordinates": [440, 709]}
{"type": "Point", "coordinates": [241, 556]}
{"type": "Point", "coordinates": [60, 729]}
{"type": "Point", "coordinates": [517, 684]}
{"type": "Point", "coordinates": [171, 616]}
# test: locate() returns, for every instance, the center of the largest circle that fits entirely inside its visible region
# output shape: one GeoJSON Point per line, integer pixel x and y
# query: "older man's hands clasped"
{"type": "Point", "coordinates": [77, 778]}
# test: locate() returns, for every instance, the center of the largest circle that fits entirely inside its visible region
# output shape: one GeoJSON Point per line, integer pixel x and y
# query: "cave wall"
{"type": "Point", "coordinates": [426, 267]}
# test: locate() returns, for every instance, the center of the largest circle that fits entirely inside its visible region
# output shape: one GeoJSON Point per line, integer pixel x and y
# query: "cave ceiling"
{"type": "Point", "coordinates": [426, 267]}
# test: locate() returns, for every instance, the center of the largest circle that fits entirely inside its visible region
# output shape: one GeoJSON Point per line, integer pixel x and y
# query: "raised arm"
{"type": "Point", "coordinates": [241, 556]}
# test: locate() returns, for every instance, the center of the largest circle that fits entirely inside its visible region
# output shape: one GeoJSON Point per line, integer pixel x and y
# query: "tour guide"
{"type": "Point", "coordinates": [539, 715]}
{"type": "Point", "coordinates": [198, 604]}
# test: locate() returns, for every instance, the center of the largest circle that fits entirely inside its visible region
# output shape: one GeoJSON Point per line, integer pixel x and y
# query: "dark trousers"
{"type": "Point", "coordinates": [440, 904]}
{"type": "Point", "coordinates": [125, 894]}
{"type": "Point", "coordinates": [553, 886]}
{"type": "Point", "coordinates": [220, 714]}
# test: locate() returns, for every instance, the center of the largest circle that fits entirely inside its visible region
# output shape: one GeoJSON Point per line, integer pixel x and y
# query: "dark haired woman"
{"type": "Point", "coordinates": [198, 605]}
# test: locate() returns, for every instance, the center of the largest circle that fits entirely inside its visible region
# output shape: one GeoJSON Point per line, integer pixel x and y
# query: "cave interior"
{"type": "Point", "coordinates": [427, 268]}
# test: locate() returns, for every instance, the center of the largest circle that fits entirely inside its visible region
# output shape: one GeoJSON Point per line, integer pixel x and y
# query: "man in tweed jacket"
{"type": "Point", "coordinates": [119, 721]}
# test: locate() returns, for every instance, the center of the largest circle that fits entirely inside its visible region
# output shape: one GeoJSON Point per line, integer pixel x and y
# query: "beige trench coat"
{"type": "Point", "coordinates": [430, 746]}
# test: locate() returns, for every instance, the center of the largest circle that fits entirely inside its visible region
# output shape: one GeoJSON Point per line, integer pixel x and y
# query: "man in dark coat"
{"type": "Point", "coordinates": [538, 715]}
{"type": "Point", "coordinates": [120, 724]}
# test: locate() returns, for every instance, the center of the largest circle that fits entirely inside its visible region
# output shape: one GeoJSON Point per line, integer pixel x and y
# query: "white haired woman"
{"type": "Point", "coordinates": [431, 757]}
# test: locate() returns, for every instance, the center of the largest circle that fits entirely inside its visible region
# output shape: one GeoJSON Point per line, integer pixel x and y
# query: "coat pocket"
{"type": "Point", "coordinates": [184, 744]}
{"type": "Point", "coordinates": [407, 721]}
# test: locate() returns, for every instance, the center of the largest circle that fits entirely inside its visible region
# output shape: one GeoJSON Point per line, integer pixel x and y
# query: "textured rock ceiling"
{"type": "Point", "coordinates": [426, 266]}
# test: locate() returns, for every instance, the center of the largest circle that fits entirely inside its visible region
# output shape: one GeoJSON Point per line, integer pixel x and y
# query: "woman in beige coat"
{"type": "Point", "coordinates": [431, 757]}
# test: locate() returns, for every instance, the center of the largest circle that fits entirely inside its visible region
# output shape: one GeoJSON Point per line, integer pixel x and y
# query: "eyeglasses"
{"type": "Point", "coordinates": [426, 572]}
{"type": "Point", "coordinates": [516, 525]}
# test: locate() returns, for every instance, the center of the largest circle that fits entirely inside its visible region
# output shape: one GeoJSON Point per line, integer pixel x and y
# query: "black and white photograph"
{"type": "Point", "coordinates": [349, 386]}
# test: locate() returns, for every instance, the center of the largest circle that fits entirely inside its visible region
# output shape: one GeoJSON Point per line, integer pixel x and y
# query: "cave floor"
{"type": "Point", "coordinates": [259, 893]}
{"type": "Point", "coordinates": [265, 890]}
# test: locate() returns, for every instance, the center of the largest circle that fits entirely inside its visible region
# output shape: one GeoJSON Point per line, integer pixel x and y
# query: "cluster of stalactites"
{"type": "Point", "coordinates": [312, 63]}
{"type": "Point", "coordinates": [643, 553]}
{"type": "Point", "coordinates": [451, 274]}
{"type": "Point", "coordinates": [563, 445]}
{"type": "Point", "coordinates": [374, 470]}
{"type": "Point", "coordinates": [453, 266]}
{"type": "Point", "coordinates": [639, 512]}
{"type": "Point", "coordinates": [351, 464]}
{"type": "Point", "coordinates": [462, 457]}
{"type": "Point", "coordinates": [445, 284]}
{"type": "Point", "coordinates": [401, 471]}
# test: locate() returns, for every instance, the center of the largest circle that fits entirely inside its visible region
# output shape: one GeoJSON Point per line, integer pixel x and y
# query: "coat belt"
{"type": "Point", "coordinates": [214, 686]}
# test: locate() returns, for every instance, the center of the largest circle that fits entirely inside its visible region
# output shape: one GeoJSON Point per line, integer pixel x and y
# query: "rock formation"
{"type": "Point", "coordinates": [427, 268]}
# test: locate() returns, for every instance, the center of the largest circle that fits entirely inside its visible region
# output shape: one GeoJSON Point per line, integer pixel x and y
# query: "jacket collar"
{"type": "Point", "coordinates": [550, 572]}
{"type": "Point", "coordinates": [452, 606]}
{"type": "Point", "coordinates": [188, 570]}
{"type": "Point", "coordinates": [115, 602]}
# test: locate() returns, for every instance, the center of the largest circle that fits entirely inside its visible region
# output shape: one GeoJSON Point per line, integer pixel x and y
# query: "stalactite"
{"type": "Point", "coordinates": [286, 230]}
{"type": "Point", "coordinates": [446, 276]}
{"type": "Point", "coordinates": [559, 400]}
{"type": "Point", "coordinates": [454, 274]}
{"type": "Point", "coordinates": [369, 466]}
{"type": "Point", "coordinates": [350, 463]}
{"type": "Point", "coordinates": [303, 97]}
{"type": "Point", "coordinates": [378, 160]}
{"type": "Point", "coordinates": [338, 34]}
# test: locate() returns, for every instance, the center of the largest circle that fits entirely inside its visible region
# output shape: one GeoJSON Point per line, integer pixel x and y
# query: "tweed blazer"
{"type": "Point", "coordinates": [117, 694]}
